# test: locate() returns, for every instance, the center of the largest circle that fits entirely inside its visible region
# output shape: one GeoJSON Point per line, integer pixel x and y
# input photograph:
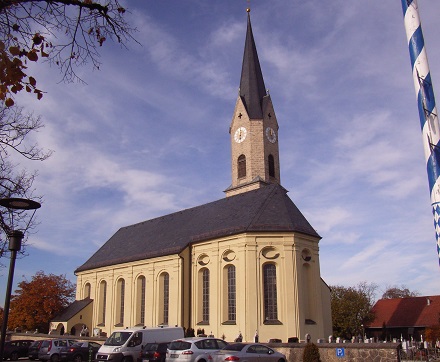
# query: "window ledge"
{"type": "Point", "coordinates": [203, 323]}
{"type": "Point", "coordinates": [229, 323]}
{"type": "Point", "coordinates": [272, 322]}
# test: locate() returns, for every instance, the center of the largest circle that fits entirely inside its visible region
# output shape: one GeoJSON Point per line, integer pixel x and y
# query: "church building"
{"type": "Point", "coordinates": [247, 263]}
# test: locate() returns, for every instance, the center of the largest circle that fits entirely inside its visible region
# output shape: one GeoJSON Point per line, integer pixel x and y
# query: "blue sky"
{"type": "Point", "coordinates": [149, 134]}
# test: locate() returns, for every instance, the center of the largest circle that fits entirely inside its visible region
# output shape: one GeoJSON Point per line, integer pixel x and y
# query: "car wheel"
{"type": "Point", "coordinates": [54, 358]}
{"type": "Point", "coordinates": [281, 360]}
{"type": "Point", "coordinates": [13, 356]}
{"type": "Point", "coordinates": [126, 359]}
{"type": "Point", "coordinates": [77, 358]}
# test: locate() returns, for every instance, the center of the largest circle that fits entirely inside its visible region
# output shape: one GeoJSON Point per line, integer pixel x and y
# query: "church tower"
{"type": "Point", "coordinates": [254, 128]}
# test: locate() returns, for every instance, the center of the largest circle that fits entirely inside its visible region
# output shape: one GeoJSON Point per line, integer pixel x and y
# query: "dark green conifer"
{"type": "Point", "coordinates": [311, 353]}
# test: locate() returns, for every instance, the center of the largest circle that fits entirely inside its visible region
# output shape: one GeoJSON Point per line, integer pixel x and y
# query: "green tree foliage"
{"type": "Point", "coordinates": [351, 309]}
{"type": "Point", "coordinates": [66, 33]}
{"type": "Point", "coordinates": [311, 353]}
{"type": "Point", "coordinates": [395, 291]}
{"type": "Point", "coordinates": [39, 300]}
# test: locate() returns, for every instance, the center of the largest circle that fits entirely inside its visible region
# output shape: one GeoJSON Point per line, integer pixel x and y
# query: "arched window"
{"type": "Point", "coordinates": [140, 300]}
{"type": "Point", "coordinates": [232, 312]}
{"type": "Point", "coordinates": [205, 295]}
{"type": "Point", "coordinates": [102, 302]}
{"type": "Point", "coordinates": [271, 166]}
{"type": "Point", "coordinates": [120, 301]}
{"type": "Point", "coordinates": [241, 166]}
{"type": "Point", "coordinates": [164, 285]}
{"type": "Point", "coordinates": [87, 292]}
{"type": "Point", "coordinates": [270, 292]}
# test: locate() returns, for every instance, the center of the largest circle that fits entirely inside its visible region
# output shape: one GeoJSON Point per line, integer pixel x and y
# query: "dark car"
{"type": "Point", "coordinates": [33, 349]}
{"type": "Point", "coordinates": [154, 352]}
{"type": "Point", "coordinates": [16, 349]}
{"type": "Point", "coordinates": [79, 352]}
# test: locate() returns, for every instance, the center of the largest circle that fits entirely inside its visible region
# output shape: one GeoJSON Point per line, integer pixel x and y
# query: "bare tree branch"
{"type": "Point", "coordinates": [66, 33]}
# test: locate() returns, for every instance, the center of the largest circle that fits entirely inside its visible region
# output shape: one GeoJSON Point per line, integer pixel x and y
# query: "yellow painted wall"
{"type": "Point", "coordinates": [303, 299]}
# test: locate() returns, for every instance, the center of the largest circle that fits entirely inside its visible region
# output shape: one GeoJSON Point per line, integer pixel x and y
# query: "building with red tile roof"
{"type": "Point", "coordinates": [404, 317]}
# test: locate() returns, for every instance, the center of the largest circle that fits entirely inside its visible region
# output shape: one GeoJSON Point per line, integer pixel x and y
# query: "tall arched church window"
{"type": "Point", "coordinates": [102, 302]}
{"type": "Point", "coordinates": [120, 301]}
{"type": "Point", "coordinates": [164, 295]}
{"type": "Point", "coordinates": [140, 300]}
{"type": "Point", "coordinates": [87, 291]}
{"type": "Point", "coordinates": [270, 292]}
{"type": "Point", "coordinates": [205, 295]}
{"type": "Point", "coordinates": [232, 312]}
{"type": "Point", "coordinates": [271, 166]}
{"type": "Point", "coordinates": [241, 166]}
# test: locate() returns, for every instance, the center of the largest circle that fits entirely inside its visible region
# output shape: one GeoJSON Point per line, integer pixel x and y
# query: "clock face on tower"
{"type": "Point", "coordinates": [240, 134]}
{"type": "Point", "coordinates": [271, 135]}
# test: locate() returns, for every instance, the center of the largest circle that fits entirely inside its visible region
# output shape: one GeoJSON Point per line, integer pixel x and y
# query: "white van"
{"type": "Point", "coordinates": [125, 345]}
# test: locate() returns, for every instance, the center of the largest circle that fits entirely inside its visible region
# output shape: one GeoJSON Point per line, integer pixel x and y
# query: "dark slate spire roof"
{"type": "Point", "coordinates": [252, 89]}
{"type": "Point", "coordinates": [265, 209]}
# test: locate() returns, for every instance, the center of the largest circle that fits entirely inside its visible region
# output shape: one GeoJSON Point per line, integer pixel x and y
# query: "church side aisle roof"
{"type": "Point", "coordinates": [266, 209]}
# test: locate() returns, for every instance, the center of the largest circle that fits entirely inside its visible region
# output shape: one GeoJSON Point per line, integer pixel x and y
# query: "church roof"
{"type": "Point", "coordinates": [265, 209]}
{"type": "Point", "coordinates": [252, 88]}
{"type": "Point", "coordinates": [71, 310]}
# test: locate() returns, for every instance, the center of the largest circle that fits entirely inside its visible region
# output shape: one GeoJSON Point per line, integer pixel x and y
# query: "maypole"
{"type": "Point", "coordinates": [427, 110]}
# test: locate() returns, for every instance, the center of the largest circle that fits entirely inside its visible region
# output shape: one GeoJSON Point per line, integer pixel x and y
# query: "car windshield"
{"type": "Point", "coordinates": [117, 338]}
{"type": "Point", "coordinates": [151, 347]}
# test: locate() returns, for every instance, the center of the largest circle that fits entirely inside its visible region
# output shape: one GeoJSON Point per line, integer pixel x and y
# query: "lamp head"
{"type": "Point", "coordinates": [19, 204]}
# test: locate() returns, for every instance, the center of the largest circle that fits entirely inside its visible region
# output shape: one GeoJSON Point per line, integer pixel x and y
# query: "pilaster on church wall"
{"type": "Point", "coordinates": [290, 298]}
{"type": "Point", "coordinates": [252, 288]}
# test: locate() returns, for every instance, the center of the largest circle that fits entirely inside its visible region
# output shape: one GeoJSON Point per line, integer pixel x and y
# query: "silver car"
{"type": "Point", "coordinates": [50, 349]}
{"type": "Point", "coordinates": [194, 349]}
{"type": "Point", "coordinates": [252, 352]}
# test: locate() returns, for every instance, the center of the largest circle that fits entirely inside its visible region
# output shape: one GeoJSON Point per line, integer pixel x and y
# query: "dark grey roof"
{"type": "Point", "coordinates": [265, 209]}
{"type": "Point", "coordinates": [252, 89]}
{"type": "Point", "coordinates": [73, 309]}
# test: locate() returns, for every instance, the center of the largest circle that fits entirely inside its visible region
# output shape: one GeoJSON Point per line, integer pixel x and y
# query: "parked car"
{"type": "Point", "coordinates": [154, 352]}
{"type": "Point", "coordinates": [50, 349]}
{"type": "Point", "coordinates": [33, 349]}
{"type": "Point", "coordinates": [252, 352]}
{"type": "Point", "coordinates": [80, 352]}
{"type": "Point", "coordinates": [194, 349]}
{"type": "Point", "coordinates": [16, 349]}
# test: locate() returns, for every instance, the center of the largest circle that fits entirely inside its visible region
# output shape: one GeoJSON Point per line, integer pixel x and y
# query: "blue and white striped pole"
{"type": "Point", "coordinates": [427, 110]}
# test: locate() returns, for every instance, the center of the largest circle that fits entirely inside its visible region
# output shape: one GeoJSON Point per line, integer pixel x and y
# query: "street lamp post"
{"type": "Point", "coordinates": [15, 238]}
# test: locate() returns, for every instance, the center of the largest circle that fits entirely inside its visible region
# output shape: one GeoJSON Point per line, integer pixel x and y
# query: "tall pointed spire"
{"type": "Point", "coordinates": [252, 89]}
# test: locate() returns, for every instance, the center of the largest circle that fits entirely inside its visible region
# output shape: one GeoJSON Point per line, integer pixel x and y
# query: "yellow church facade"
{"type": "Point", "coordinates": [171, 298]}
{"type": "Point", "coordinates": [246, 264]}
